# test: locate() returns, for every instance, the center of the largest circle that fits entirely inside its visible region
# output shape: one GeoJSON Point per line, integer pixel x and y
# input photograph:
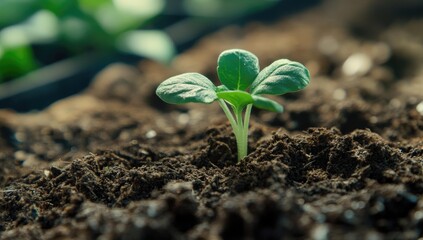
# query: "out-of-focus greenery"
{"type": "Point", "coordinates": [225, 8]}
{"type": "Point", "coordinates": [76, 26]}
{"type": "Point", "coordinates": [64, 28]}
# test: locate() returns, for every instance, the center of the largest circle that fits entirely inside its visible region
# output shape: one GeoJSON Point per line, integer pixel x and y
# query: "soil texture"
{"type": "Point", "coordinates": [344, 161]}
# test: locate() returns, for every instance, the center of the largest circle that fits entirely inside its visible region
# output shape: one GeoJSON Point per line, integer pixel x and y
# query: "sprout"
{"type": "Point", "coordinates": [243, 86]}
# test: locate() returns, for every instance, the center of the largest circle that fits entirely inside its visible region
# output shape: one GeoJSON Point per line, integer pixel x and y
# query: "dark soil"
{"type": "Point", "coordinates": [344, 161]}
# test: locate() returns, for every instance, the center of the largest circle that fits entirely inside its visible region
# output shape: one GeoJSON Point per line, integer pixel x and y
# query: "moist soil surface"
{"type": "Point", "coordinates": [344, 161]}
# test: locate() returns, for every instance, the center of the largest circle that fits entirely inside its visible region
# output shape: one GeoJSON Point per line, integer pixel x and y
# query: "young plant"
{"type": "Point", "coordinates": [242, 87]}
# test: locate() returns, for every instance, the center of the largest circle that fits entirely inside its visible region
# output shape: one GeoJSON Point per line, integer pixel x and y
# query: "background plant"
{"type": "Point", "coordinates": [36, 33]}
{"type": "Point", "coordinates": [243, 86]}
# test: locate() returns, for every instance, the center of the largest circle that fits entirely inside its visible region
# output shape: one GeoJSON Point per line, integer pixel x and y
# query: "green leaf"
{"type": "Point", "coordinates": [187, 87]}
{"type": "Point", "coordinates": [236, 98]}
{"type": "Point", "coordinates": [160, 47]}
{"type": "Point", "coordinates": [266, 104]}
{"type": "Point", "coordinates": [237, 68]}
{"type": "Point", "coordinates": [280, 77]}
{"type": "Point", "coordinates": [16, 62]}
{"type": "Point", "coordinates": [221, 88]}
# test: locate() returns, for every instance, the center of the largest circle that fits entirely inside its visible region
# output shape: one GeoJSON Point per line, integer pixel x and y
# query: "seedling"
{"type": "Point", "coordinates": [242, 87]}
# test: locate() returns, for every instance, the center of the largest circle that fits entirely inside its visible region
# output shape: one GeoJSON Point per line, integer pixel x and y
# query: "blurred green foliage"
{"type": "Point", "coordinates": [225, 8]}
{"type": "Point", "coordinates": [77, 26]}
{"type": "Point", "coordinates": [65, 28]}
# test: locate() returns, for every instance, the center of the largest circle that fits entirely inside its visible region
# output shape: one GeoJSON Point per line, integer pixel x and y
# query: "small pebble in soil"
{"type": "Point", "coordinates": [183, 118]}
{"type": "Point", "coordinates": [47, 173]}
{"type": "Point", "coordinates": [20, 155]}
{"type": "Point", "coordinates": [374, 119]}
{"type": "Point", "coordinates": [320, 232]}
{"type": "Point", "coordinates": [419, 108]}
{"type": "Point", "coordinates": [357, 64]}
{"type": "Point", "coordinates": [328, 45]}
{"type": "Point", "coordinates": [381, 52]}
{"type": "Point", "coordinates": [358, 205]}
{"type": "Point", "coordinates": [153, 209]}
{"type": "Point", "coordinates": [339, 94]}
{"type": "Point", "coordinates": [151, 134]}
{"type": "Point", "coordinates": [418, 215]}
{"type": "Point", "coordinates": [20, 136]}
{"type": "Point", "coordinates": [395, 103]}
{"type": "Point", "coordinates": [349, 215]}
